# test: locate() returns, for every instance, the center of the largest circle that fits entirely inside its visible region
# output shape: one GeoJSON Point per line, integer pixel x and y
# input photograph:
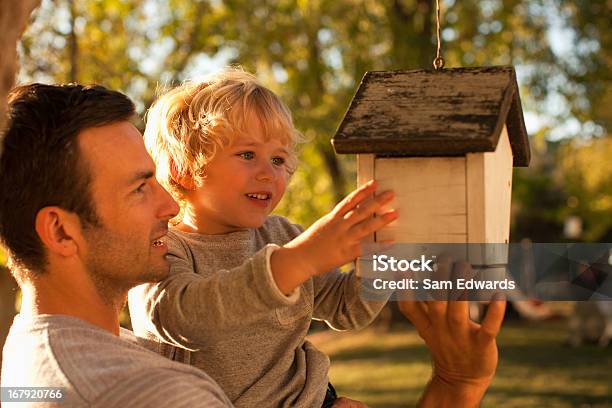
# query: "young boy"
{"type": "Point", "coordinates": [225, 150]}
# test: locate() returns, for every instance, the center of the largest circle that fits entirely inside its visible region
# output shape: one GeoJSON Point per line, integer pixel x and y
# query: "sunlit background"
{"type": "Point", "coordinates": [314, 54]}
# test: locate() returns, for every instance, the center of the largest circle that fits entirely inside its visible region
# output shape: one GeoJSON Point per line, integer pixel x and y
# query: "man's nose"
{"type": "Point", "coordinates": [168, 207]}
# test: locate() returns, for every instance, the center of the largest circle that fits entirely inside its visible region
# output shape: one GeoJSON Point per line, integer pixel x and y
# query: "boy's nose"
{"type": "Point", "coordinates": [265, 172]}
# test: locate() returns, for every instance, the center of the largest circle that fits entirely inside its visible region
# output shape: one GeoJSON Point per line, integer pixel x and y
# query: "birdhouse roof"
{"type": "Point", "coordinates": [434, 113]}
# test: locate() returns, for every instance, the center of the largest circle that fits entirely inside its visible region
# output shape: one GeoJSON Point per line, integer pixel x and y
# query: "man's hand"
{"type": "Point", "coordinates": [333, 240]}
{"type": "Point", "coordinates": [464, 353]}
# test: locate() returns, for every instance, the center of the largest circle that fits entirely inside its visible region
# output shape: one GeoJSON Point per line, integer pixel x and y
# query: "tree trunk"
{"type": "Point", "coordinates": [316, 90]}
{"type": "Point", "coordinates": [13, 18]}
{"type": "Point", "coordinates": [332, 164]}
{"type": "Point", "coordinates": [8, 291]}
{"type": "Point", "coordinates": [73, 45]}
{"type": "Point", "coordinates": [411, 25]}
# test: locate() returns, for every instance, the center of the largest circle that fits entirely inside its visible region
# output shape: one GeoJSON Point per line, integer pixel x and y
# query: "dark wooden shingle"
{"type": "Point", "coordinates": [434, 113]}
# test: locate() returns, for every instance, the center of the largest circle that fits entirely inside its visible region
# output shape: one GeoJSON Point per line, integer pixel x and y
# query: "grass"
{"type": "Point", "coordinates": [535, 370]}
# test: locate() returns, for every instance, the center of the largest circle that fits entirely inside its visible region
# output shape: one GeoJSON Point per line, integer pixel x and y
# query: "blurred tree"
{"type": "Point", "coordinates": [587, 177]}
{"type": "Point", "coordinates": [569, 178]}
{"type": "Point", "coordinates": [8, 292]}
{"type": "Point", "coordinates": [538, 198]}
{"type": "Point", "coordinates": [313, 53]}
{"type": "Point", "coordinates": [128, 45]}
{"type": "Point", "coordinates": [13, 18]}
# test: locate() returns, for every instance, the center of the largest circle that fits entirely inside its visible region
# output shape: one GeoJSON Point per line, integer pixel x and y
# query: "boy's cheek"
{"type": "Point", "coordinates": [279, 196]}
{"type": "Point", "coordinates": [282, 186]}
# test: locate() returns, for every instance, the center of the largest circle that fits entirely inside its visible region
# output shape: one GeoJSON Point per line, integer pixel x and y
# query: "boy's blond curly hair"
{"type": "Point", "coordinates": [188, 125]}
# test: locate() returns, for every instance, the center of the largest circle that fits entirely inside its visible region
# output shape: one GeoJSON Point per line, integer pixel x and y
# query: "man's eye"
{"type": "Point", "coordinates": [141, 188]}
{"type": "Point", "coordinates": [278, 161]}
{"type": "Point", "coordinates": [247, 155]}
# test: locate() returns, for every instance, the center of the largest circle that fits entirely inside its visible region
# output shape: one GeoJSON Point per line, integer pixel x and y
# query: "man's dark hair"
{"type": "Point", "coordinates": [41, 163]}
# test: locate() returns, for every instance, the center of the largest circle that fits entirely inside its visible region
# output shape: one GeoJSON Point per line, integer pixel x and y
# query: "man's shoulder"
{"type": "Point", "coordinates": [164, 387]}
{"type": "Point", "coordinates": [88, 362]}
{"type": "Point", "coordinates": [28, 358]}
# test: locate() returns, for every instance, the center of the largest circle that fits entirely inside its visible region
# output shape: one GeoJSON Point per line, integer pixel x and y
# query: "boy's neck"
{"type": "Point", "coordinates": [200, 222]}
{"type": "Point", "coordinates": [202, 228]}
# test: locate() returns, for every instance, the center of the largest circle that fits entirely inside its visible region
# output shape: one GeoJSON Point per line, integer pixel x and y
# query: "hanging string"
{"type": "Point", "coordinates": [438, 63]}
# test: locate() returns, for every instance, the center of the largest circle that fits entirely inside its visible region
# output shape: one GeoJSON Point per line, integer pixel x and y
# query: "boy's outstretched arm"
{"type": "Point", "coordinates": [333, 240]}
{"type": "Point", "coordinates": [187, 308]}
{"type": "Point", "coordinates": [464, 353]}
{"type": "Point", "coordinates": [190, 310]}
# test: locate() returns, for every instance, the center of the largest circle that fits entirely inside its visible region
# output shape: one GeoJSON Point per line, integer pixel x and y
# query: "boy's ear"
{"type": "Point", "coordinates": [59, 230]}
{"type": "Point", "coordinates": [186, 180]}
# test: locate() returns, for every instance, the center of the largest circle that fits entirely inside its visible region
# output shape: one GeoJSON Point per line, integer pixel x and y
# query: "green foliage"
{"type": "Point", "coordinates": [566, 178]}
{"type": "Point", "coordinates": [314, 53]}
{"type": "Point", "coordinates": [587, 176]}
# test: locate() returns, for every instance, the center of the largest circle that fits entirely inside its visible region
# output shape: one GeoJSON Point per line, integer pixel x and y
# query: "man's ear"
{"type": "Point", "coordinates": [186, 180]}
{"type": "Point", "coordinates": [59, 230]}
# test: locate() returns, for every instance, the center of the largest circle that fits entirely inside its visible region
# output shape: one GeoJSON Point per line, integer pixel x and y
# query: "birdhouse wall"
{"type": "Point", "coordinates": [462, 199]}
{"type": "Point", "coordinates": [430, 196]}
{"type": "Point", "coordinates": [489, 189]}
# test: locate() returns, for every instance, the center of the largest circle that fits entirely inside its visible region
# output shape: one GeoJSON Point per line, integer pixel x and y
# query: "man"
{"type": "Point", "coordinates": [83, 217]}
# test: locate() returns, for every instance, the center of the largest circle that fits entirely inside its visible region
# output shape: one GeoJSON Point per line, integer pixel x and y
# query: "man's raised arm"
{"type": "Point", "coordinates": [464, 353]}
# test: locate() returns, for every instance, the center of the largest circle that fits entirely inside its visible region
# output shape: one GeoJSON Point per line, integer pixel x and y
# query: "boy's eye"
{"type": "Point", "coordinates": [247, 155]}
{"type": "Point", "coordinates": [278, 161]}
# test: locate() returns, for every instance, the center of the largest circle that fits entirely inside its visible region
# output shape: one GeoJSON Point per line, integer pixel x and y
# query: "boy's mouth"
{"type": "Point", "coordinates": [259, 196]}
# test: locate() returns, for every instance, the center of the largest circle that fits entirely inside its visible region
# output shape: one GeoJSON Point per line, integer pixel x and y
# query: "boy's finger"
{"type": "Point", "coordinates": [369, 208]}
{"type": "Point", "coordinates": [354, 198]}
{"type": "Point", "coordinates": [493, 319]}
{"type": "Point", "coordinates": [370, 225]}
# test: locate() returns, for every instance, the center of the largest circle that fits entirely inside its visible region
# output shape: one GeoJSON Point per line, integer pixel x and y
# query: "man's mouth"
{"type": "Point", "coordinates": [158, 243]}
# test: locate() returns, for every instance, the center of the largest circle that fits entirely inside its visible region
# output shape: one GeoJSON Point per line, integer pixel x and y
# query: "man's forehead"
{"type": "Point", "coordinates": [116, 149]}
{"type": "Point", "coordinates": [102, 136]}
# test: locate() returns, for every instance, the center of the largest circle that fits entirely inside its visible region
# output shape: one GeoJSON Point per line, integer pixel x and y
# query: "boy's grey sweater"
{"type": "Point", "coordinates": [240, 328]}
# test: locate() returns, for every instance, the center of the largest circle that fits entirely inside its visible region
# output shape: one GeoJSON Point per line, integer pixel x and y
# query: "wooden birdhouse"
{"type": "Point", "coordinates": [446, 142]}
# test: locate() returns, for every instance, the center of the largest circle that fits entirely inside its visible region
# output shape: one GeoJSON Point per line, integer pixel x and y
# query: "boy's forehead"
{"type": "Point", "coordinates": [256, 128]}
{"type": "Point", "coordinates": [258, 138]}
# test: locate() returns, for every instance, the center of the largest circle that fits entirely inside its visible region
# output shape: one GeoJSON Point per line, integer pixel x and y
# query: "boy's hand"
{"type": "Point", "coordinates": [333, 240]}
{"type": "Point", "coordinates": [464, 353]}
